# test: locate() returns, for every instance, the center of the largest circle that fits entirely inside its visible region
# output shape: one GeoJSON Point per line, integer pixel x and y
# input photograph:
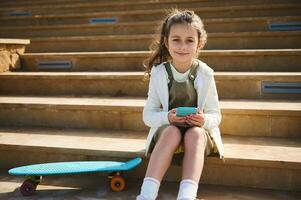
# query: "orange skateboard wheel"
{"type": "Point", "coordinates": [117, 183]}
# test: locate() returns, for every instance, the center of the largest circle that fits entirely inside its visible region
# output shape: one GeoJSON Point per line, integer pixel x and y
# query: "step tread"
{"type": "Point", "coordinates": [93, 4]}
{"type": "Point", "coordinates": [261, 76]}
{"type": "Point", "coordinates": [66, 187]}
{"type": "Point", "coordinates": [137, 73]}
{"type": "Point", "coordinates": [90, 141]}
{"type": "Point", "coordinates": [268, 152]}
{"type": "Point", "coordinates": [138, 103]}
{"type": "Point", "coordinates": [14, 41]}
{"type": "Point", "coordinates": [160, 11]}
{"type": "Point", "coordinates": [153, 23]}
{"type": "Point", "coordinates": [146, 53]}
{"type": "Point", "coordinates": [101, 4]}
{"type": "Point", "coordinates": [150, 36]}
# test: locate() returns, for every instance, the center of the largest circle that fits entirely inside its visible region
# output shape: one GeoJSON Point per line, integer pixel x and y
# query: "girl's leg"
{"type": "Point", "coordinates": [163, 152]}
{"type": "Point", "coordinates": [159, 162]}
{"type": "Point", "coordinates": [194, 145]}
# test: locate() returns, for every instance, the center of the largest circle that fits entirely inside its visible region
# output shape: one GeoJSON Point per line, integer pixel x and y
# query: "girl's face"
{"type": "Point", "coordinates": [182, 43]}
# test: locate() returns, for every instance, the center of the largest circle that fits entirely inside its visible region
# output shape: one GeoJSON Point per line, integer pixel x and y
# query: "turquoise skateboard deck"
{"type": "Point", "coordinates": [35, 172]}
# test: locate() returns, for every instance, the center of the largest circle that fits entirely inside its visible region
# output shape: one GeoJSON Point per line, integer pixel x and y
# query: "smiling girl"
{"type": "Point", "coordinates": [179, 79]}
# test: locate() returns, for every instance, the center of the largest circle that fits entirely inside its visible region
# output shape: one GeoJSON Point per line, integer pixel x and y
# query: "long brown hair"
{"type": "Point", "coordinates": [159, 52]}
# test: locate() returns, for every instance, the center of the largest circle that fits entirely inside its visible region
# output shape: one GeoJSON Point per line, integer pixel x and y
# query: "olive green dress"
{"type": "Point", "coordinates": [182, 94]}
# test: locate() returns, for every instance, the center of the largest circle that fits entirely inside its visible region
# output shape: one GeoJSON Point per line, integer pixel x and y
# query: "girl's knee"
{"type": "Point", "coordinates": [171, 133]}
{"type": "Point", "coordinates": [195, 135]}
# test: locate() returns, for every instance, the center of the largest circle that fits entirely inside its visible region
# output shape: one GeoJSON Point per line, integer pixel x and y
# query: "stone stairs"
{"type": "Point", "coordinates": [256, 10]}
{"type": "Point", "coordinates": [79, 94]}
{"type": "Point", "coordinates": [89, 6]}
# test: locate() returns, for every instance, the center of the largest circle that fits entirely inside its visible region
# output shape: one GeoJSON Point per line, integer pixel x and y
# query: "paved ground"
{"type": "Point", "coordinates": [93, 186]}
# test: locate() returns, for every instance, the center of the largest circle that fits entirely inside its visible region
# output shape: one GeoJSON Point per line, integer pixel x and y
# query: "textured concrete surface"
{"type": "Point", "coordinates": [220, 60]}
{"type": "Point", "coordinates": [260, 162]}
{"type": "Point", "coordinates": [230, 85]}
{"type": "Point", "coordinates": [94, 186]}
{"type": "Point", "coordinates": [10, 50]}
{"type": "Point", "coordinates": [141, 42]}
{"type": "Point", "coordinates": [240, 117]}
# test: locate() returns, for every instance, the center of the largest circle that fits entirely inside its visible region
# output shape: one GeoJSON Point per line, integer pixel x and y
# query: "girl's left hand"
{"type": "Point", "coordinates": [196, 119]}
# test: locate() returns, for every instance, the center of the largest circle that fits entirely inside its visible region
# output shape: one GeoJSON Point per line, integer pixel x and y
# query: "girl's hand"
{"type": "Point", "coordinates": [196, 119]}
{"type": "Point", "coordinates": [172, 117]}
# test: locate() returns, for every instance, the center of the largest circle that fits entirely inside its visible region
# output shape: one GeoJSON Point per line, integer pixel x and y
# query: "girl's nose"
{"type": "Point", "coordinates": [182, 46]}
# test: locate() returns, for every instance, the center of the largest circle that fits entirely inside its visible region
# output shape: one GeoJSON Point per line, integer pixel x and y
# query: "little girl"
{"type": "Point", "coordinates": [179, 79]}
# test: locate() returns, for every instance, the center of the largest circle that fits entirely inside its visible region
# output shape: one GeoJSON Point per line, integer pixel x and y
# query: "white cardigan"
{"type": "Point", "coordinates": [155, 112]}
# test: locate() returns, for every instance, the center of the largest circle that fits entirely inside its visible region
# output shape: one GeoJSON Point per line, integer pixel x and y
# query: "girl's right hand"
{"type": "Point", "coordinates": [172, 117]}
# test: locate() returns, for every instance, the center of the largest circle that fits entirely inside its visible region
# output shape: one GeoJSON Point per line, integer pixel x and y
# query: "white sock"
{"type": "Point", "coordinates": [149, 189]}
{"type": "Point", "coordinates": [188, 190]}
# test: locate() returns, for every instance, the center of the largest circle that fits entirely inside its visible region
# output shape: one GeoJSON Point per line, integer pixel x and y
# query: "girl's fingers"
{"type": "Point", "coordinates": [181, 120]}
{"type": "Point", "coordinates": [189, 123]}
{"type": "Point", "coordinates": [196, 117]}
{"type": "Point", "coordinates": [194, 122]}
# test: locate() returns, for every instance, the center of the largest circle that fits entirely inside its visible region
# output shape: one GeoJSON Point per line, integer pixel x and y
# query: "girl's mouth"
{"type": "Point", "coordinates": [182, 54]}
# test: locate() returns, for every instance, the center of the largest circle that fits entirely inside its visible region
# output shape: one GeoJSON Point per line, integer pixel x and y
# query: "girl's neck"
{"type": "Point", "coordinates": [182, 67]}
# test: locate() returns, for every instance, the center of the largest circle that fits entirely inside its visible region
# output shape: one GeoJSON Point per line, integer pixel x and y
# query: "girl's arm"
{"type": "Point", "coordinates": [212, 113]}
{"type": "Point", "coordinates": [153, 114]}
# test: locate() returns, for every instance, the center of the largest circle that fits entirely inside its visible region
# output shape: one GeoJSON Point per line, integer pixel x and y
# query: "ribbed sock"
{"type": "Point", "coordinates": [149, 189]}
{"type": "Point", "coordinates": [188, 190]}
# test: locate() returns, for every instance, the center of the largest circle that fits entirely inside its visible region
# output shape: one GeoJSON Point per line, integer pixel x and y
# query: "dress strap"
{"type": "Point", "coordinates": [169, 72]}
{"type": "Point", "coordinates": [193, 71]}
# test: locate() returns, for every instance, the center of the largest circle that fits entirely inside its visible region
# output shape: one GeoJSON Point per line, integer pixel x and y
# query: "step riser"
{"type": "Point", "coordinates": [236, 62]}
{"type": "Point", "coordinates": [30, 4]}
{"type": "Point", "coordinates": [142, 44]}
{"type": "Point", "coordinates": [72, 118]}
{"type": "Point", "coordinates": [55, 2]}
{"type": "Point", "coordinates": [211, 26]}
{"type": "Point", "coordinates": [130, 17]}
{"type": "Point", "coordinates": [268, 124]}
{"type": "Point", "coordinates": [233, 175]}
{"type": "Point", "coordinates": [99, 87]}
{"type": "Point", "coordinates": [98, 7]}
{"type": "Point", "coordinates": [241, 87]}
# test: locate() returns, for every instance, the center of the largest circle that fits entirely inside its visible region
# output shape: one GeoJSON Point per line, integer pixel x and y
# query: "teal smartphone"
{"type": "Point", "coordinates": [184, 111]}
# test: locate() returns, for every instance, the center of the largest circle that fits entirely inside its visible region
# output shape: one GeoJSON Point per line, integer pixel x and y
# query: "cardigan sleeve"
{"type": "Point", "coordinates": [212, 113]}
{"type": "Point", "coordinates": [153, 114]}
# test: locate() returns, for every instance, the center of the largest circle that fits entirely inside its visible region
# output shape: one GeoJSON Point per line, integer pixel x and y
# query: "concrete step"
{"type": "Point", "coordinates": [89, 186]}
{"type": "Point", "coordinates": [233, 85]}
{"type": "Point", "coordinates": [247, 40]}
{"type": "Point", "coordinates": [287, 9]}
{"type": "Point", "coordinates": [125, 6]}
{"type": "Point", "coordinates": [240, 117]}
{"type": "Point", "coordinates": [34, 3]}
{"type": "Point", "coordinates": [42, 4]}
{"type": "Point", "coordinates": [269, 60]}
{"type": "Point", "coordinates": [249, 161]}
{"type": "Point", "coordinates": [245, 24]}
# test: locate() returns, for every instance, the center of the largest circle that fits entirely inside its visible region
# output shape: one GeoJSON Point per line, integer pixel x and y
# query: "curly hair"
{"type": "Point", "coordinates": [159, 52]}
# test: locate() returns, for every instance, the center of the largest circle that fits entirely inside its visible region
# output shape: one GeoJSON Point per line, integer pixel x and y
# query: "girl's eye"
{"type": "Point", "coordinates": [176, 40]}
{"type": "Point", "coordinates": [190, 41]}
